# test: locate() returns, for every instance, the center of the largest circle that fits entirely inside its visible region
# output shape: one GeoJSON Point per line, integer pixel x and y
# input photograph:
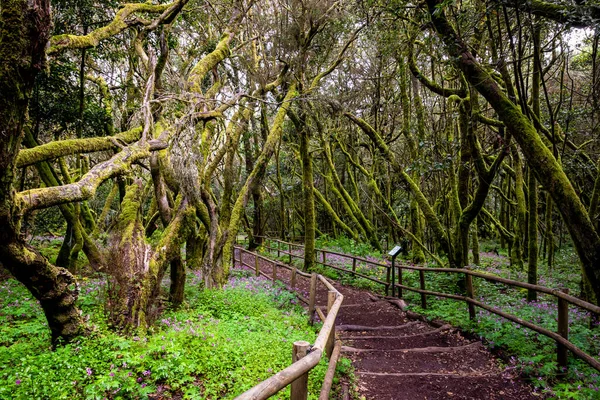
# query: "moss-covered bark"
{"type": "Point", "coordinates": [351, 205]}
{"type": "Point", "coordinates": [62, 148]}
{"type": "Point", "coordinates": [24, 31]}
{"type": "Point", "coordinates": [334, 216]}
{"type": "Point", "coordinates": [546, 168]}
{"type": "Point", "coordinates": [123, 20]}
{"type": "Point", "coordinates": [273, 139]}
{"type": "Point", "coordinates": [208, 62]}
{"type": "Point", "coordinates": [86, 187]}
{"type": "Point", "coordinates": [307, 195]}
{"type": "Point", "coordinates": [428, 211]}
{"type": "Point", "coordinates": [520, 222]}
{"type": "Point", "coordinates": [418, 256]}
{"type": "Point", "coordinates": [532, 262]}
{"type": "Point", "coordinates": [136, 268]}
{"type": "Point", "coordinates": [177, 289]}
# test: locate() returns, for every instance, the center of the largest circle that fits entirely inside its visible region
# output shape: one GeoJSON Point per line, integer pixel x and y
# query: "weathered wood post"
{"type": "Point", "coordinates": [312, 297]}
{"type": "Point", "coordinates": [274, 272]}
{"type": "Point", "coordinates": [563, 330]}
{"type": "Point", "coordinates": [299, 387]}
{"type": "Point", "coordinates": [423, 295]}
{"type": "Point", "coordinates": [387, 280]}
{"type": "Point", "coordinates": [354, 266]}
{"type": "Point", "coordinates": [293, 279]}
{"type": "Point", "coordinates": [400, 282]}
{"type": "Point", "coordinates": [331, 296]}
{"type": "Point", "coordinates": [278, 248]}
{"type": "Point", "coordinates": [256, 265]}
{"type": "Point", "coordinates": [324, 255]}
{"type": "Point", "coordinates": [471, 295]}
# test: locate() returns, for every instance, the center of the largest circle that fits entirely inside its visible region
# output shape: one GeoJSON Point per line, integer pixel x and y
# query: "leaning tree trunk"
{"type": "Point", "coordinates": [546, 168]}
{"type": "Point", "coordinates": [24, 32]}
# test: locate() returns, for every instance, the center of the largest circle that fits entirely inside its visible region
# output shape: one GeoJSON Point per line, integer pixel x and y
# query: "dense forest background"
{"type": "Point", "coordinates": [149, 135]}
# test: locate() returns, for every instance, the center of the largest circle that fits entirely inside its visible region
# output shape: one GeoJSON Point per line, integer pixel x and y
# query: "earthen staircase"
{"type": "Point", "coordinates": [397, 356]}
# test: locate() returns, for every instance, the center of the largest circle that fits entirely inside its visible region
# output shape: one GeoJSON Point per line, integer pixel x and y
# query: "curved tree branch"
{"type": "Point", "coordinates": [125, 18]}
{"type": "Point", "coordinates": [86, 187]}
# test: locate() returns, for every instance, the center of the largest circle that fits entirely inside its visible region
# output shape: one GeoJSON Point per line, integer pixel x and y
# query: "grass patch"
{"type": "Point", "coordinates": [221, 343]}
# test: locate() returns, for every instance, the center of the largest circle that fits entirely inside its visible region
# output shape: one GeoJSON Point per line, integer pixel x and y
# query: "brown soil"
{"type": "Point", "coordinates": [396, 357]}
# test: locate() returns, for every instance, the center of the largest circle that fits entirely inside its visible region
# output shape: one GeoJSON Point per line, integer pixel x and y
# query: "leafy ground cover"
{"type": "Point", "coordinates": [531, 354]}
{"type": "Point", "coordinates": [218, 345]}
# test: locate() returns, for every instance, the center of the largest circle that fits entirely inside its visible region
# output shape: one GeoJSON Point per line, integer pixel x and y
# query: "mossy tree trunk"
{"type": "Point", "coordinates": [520, 223]}
{"type": "Point", "coordinates": [308, 195]}
{"type": "Point", "coordinates": [24, 32]}
{"type": "Point", "coordinates": [546, 168]}
{"type": "Point", "coordinates": [532, 203]}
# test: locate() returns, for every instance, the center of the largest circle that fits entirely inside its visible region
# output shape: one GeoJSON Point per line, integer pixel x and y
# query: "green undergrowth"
{"type": "Point", "coordinates": [218, 345]}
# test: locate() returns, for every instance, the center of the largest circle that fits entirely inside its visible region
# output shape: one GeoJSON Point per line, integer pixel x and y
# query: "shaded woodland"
{"type": "Point", "coordinates": [152, 134]}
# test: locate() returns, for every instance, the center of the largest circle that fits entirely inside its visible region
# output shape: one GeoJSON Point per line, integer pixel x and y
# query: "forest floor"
{"type": "Point", "coordinates": [219, 344]}
{"type": "Point", "coordinates": [397, 355]}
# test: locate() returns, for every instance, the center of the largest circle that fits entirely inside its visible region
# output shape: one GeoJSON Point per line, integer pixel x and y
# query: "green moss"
{"type": "Point", "coordinates": [207, 63]}
{"type": "Point", "coordinates": [121, 22]}
{"type": "Point", "coordinates": [61, 148]}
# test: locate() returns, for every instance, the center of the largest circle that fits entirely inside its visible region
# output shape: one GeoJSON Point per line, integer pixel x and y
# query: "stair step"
{"type": "Point", "coordinates": [430, 349]}
{"type": "Point", "coordinates": [389, 336]}
{"type": "Point", "coordinates": [439, 339]}
{"type": "Point", "coordinates": [418, 386]}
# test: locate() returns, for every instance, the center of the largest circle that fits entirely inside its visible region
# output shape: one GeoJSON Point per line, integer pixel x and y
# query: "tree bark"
{"type": "Point", "coordinates": [24, 32]}
{"type": "Point", "coordinates": [546, 168]}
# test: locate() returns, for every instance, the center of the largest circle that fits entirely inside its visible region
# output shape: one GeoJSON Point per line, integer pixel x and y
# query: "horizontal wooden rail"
{"type": "Point", "coordinates": [561, 338]}
{"type": "Point", "coordinates": [296, 373]}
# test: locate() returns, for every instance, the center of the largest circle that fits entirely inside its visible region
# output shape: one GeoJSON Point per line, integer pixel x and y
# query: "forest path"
{"type": "Point", "coordinates": [396, 357]}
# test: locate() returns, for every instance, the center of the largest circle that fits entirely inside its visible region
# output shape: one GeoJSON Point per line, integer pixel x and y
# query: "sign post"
{"type": "Point", "coordinates": [394, 253]}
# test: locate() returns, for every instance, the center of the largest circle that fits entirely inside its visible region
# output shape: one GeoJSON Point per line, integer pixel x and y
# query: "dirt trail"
{"type": "Point", "coordinates": [396, 357]}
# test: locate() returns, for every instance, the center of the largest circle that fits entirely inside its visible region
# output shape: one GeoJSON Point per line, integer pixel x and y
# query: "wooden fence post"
{"type": "Point", "coordinates": [387, 279]}
{"type": "Point", "coordinates": [331, 296]}
{"type": "Point", "coordinates": [563, 330]}
{"type": "Point", "coordinates": [423, 295]}
{"type": "Point", "coordinates": [471, 295]}
{"type": "Point", "coordinates": [324, 254]}
{"type": "Point", "coordinates": [299, 387]}
{"type": "Point", "coordinates": [290, 252]}
{"type": "Point", "coordinates": [400, 281]}
{"type": "Point", "coordinates": [354, 266]}
{"type": "Point", "coordinates": [256, 265]}
{"type": "Point", "coordinates": [278, 246]}
{"type": "Point", "coordinates": [312, 297]}
{"type": "Point", "coordinates": [293, 280]}
{"type": "Point", "coordinates": [274, 272]}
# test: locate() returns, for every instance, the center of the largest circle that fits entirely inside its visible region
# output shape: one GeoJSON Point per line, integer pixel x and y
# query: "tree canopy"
{"type": "Point", "coordinates": [153, 133]}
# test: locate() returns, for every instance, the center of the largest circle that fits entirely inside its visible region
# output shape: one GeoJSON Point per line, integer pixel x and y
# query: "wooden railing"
{"type": "Point", "coordinates": [304, 356]}
{"type": "Point", "coordinates": [286, 248]}
{"type": "Point", "coordinates": [561, 336]}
